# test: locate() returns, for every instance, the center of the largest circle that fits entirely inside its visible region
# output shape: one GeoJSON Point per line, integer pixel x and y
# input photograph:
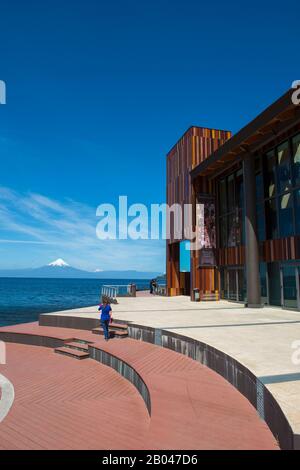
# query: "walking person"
{"type": "Point", "coordinates": [105, 318]}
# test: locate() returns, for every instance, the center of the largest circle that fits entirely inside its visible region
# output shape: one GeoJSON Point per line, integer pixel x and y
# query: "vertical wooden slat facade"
{"type": "Point", "coordinates": [281, 249]}
{"type": "Point", "coordinates": [192, 149]}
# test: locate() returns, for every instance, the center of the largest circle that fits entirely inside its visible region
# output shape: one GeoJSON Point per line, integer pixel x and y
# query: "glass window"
{"type": "Point", "coordinates": [230, 192]}
{"type": "Point", "coordinates": [263, 282]}
{"type": "Point", "coordinates": [239, 227]}
{"type": "Point", "coordinates": [222, 194]}
{"type": "Point", "coordinates": [257, 164]}
{"type": "Point", "coordinates": [241, 285]}
{"type": "Point", "coordinates": [286, 224]}
{"type": "Point", "coordinates": [259, 185]}
{"type": "Point", "coordinates": [289, 286]}
{"type": "Point", "coordinates": [231, 230]}
{"type": "Point", "coordinates": [232, 291]}
{"type": "Point", "coordinates": [261, 226]}
{"type": "Point", "coordinates": [271, 219]}
{"type": "Point", "coordinates": [223, 231]}
{"type": "Point", "coordinates": [239, 189]}
{"type": "Point", "coordinates": [243, 228]}
{"type": "Point", "coordinates": [274, 284]}
{"type": "Point", "coordinates": [296, 159]}
{"type": "Point", "coordinates": [270, 164]}
{"type": "Point", "coordinates": [283, 153]}
{"type": "Point", "coordinates": [297, 211]}
{"type": "Point", "coordinates": [283, 169]}
{"type": "Point", "coordinates": [224, 290]}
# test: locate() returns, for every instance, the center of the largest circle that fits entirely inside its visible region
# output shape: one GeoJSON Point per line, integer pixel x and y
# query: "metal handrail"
{"type": "Point", "coordinates": [112, 291]}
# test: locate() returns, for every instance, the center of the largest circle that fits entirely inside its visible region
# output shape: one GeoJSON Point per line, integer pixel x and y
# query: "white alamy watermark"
{"type": "Point", "coordinates": [296, 354]}
{"type": "Point", "coordinates": [159, 221]}
{"type": "Point", "coordinates": [2, 352]}
{"type": "Point", "coordinates": [296, 93]}
{"type": "Point", "coordinates": [2, 92]}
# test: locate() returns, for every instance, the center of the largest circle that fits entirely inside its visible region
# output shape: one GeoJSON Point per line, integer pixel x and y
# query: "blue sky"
{"type": "Point", "coordinates": [98, 92]}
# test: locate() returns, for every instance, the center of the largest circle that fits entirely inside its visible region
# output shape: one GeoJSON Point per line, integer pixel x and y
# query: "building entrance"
{"type": "Point", "coordinates": [233, 283]}
{"type": "Point", "coordinates": [281, 285]}
{"type": "Point", "coordinates": [274, 284]}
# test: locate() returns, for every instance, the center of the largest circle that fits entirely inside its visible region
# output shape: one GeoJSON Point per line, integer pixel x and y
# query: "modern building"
{"type": "Point", "coordinates": [245, 195]}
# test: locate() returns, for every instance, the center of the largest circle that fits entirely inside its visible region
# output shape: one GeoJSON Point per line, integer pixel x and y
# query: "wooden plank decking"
{"type": "Point", "coordinates": [62, 403]}
{"type": "Point", "coordinates": [65, 403]}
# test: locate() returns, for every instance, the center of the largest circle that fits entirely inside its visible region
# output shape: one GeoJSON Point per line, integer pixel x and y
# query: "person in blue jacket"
{"type": "Point", "coordinates": [105, 317]}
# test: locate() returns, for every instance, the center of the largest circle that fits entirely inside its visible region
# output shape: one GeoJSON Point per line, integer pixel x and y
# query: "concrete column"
{"type": "Point", "coordinates": [252, 245]}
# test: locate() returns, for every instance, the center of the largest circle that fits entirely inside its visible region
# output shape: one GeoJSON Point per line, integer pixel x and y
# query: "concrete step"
{"type": "Point", "coordinates": [113, 333]}
{"type": "Point", "coordinates": [78, 346]}
{"type": "Point", "coordinates": [72, 352]}
{"type": "Point", "coordinates": [209, 296]}
{"type": "Point", "coordinates": [121, 326]}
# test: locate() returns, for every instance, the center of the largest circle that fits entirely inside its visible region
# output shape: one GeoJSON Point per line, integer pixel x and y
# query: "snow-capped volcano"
{"type": "Point", "coordinates": [59, 262]}
{"type": "Point", "coordinates": [59, 269]}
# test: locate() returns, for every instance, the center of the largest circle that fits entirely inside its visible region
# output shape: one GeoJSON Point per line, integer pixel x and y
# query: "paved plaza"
{"type": "Point", "coordinates": [260, 339]}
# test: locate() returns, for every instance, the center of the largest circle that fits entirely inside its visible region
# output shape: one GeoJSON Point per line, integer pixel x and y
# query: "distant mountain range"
{"type": "Point", "coordinates": [61, 269]}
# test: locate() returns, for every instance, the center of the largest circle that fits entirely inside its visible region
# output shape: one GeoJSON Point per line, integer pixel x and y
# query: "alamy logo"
{"type": "Point", "coordinates": [2, 353]}
{"type": "Point", "coordinates": [296, 93]}
{"type": "Point", "coordinates": [169, 222]}
{"type": "Point", "coordinates": [2, 92]}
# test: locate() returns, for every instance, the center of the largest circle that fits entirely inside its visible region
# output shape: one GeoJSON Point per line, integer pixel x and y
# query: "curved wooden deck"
{"type": "Point", "coordinates": [65, 403]}
{"type": "Point", "coordinates": [62, 403]}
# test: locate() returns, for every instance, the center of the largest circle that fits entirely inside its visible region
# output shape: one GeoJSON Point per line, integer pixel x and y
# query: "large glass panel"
{"type": "Point", "coordinates": [289, 286]}
{"type": "Point", "coordinates": [270, 165]}
{"type": "Point", "coordinates": [230, 192]}
{"type": "Point", "coordinates": [283, 170]}
{"type": "Point", "coordinates": [223, 277]}
{"type": "Point", "coordinates": [223, 231]}
{"type": "Point", "coordinates": [297, 211]}
{"type": "Point", "coordinates": [296, 159]}
{"type": "Point", "coordinates": [286, 224]}
{"type": "Point", "coordinates": [259, 185]}
{"type": "Point", "coordinates": [260, 217]}
{"type": "Point", "coordinates": [239, 189]}
{"type": "Point", "coordinates": [239, 212]}
{"type": "Point", "coordinates": [274, 284]}
{"type": "Point", "coordinates": [222, 197]}
{"type": "Point", "coordinates": [232, 284]}
{"type": "Point", "coordinates": [243, 228]}
{"type": "Point", "coordinates": [242, 285]}
{"type": "Point", "coordinates": [263, 282]}
{"type": "Point", "coordinates": [231, 230]}
{"type": "Point", "coordinates": [271, 219]}
{"type": "Point", "coordinates": [239, 228]}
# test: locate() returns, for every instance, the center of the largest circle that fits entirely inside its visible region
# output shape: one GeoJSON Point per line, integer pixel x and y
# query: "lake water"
{"type": "Point", "coordinates": [22, 300]}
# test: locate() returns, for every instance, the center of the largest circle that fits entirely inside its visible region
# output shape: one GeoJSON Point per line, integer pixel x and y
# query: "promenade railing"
{"type": "Point", "coordinates": [160, 290]}
{"type": "Point", "coordinates": [111, 292]}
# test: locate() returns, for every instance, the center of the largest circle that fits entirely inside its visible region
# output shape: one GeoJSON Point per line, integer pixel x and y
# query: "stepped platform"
{"type": "Point", "coordinates": [112, 332]}
{"type": "Point", "coordinates": [62, 403]}
{"type": "Point", "coordinates": [253, 349]}
{"type": "Point", "coordinates": [72, 352]}
{"type": "Point", "coordinates": [169, 401]}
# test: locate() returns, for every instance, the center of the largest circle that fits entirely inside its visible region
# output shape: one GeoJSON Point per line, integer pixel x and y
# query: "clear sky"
{"type": "Point", "coordinates": [98, 92]}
